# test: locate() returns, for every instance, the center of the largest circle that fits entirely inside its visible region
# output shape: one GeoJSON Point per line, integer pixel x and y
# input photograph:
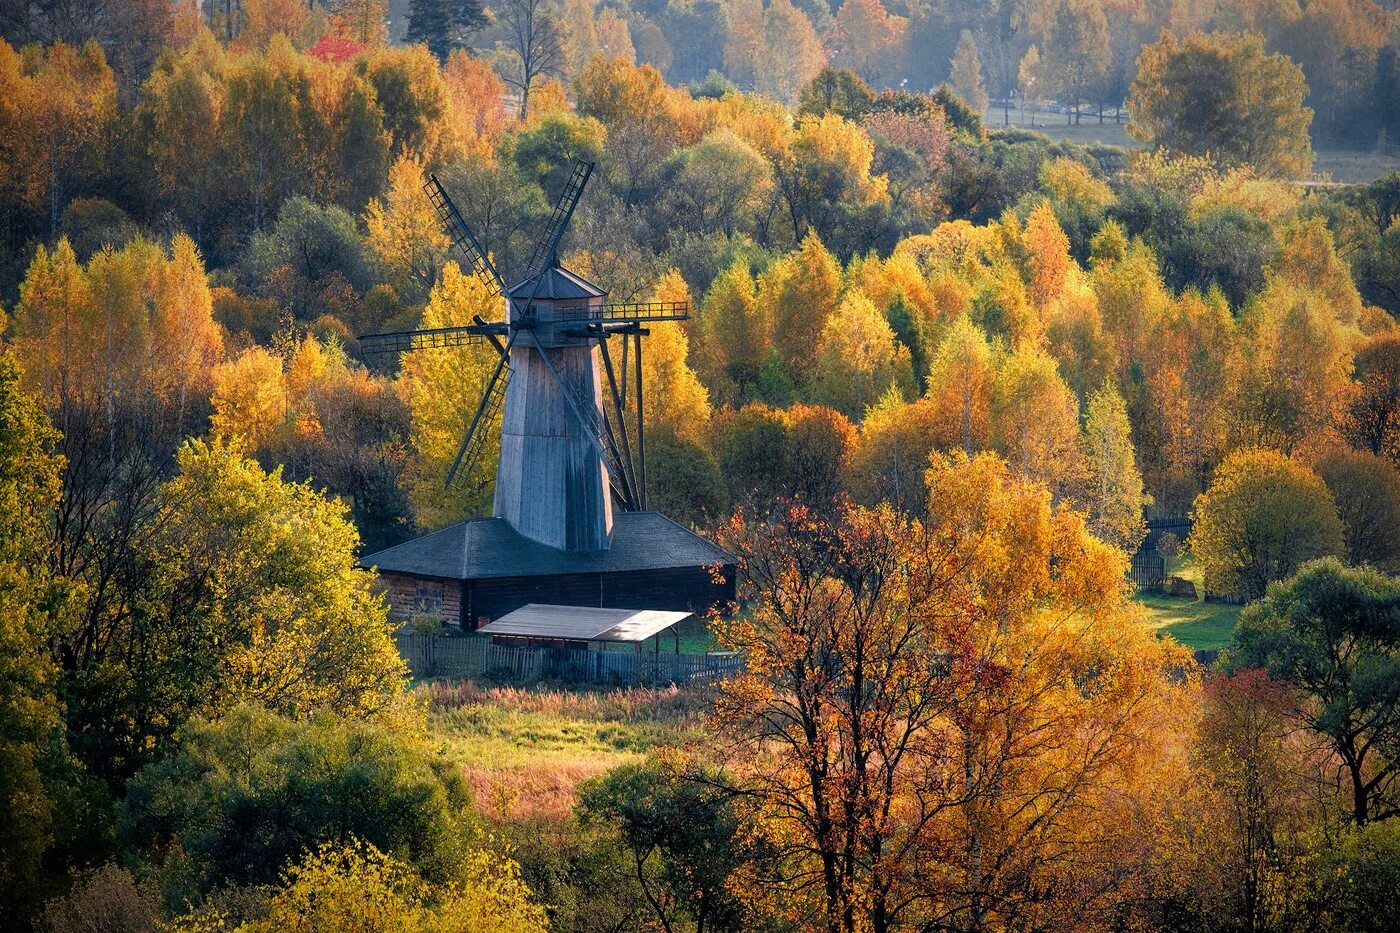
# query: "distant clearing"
{"type": "Point", "coordinates": [1342, 166]}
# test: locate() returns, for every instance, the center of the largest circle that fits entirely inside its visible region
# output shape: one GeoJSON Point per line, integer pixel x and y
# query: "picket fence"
{"type": "Point", "coordinates": [447, 656]}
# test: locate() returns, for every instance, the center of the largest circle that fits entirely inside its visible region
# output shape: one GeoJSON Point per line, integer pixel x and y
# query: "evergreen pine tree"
{"type": "Point", "coordinates": [443, 25]}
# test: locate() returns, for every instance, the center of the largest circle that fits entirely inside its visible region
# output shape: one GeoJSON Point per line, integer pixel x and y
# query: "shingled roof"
{"type": "Point", "coordinates": [559, 285]}
{"type": "Point", "coordinates": [486, 548]}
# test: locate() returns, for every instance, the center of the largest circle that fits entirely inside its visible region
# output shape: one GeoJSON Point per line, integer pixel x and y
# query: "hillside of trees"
{"type": "Point", "coordinates": [938, 373]}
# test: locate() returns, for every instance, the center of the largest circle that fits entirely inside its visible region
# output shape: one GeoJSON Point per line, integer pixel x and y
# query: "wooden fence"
{"type": "Point", "coordinates": [1147, 571]}
{"type": "Point", "coordinates": [444, 656]}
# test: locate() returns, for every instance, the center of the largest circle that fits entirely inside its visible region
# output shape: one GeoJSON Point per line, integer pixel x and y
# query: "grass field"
{"type": "Point", "coordinates": [525, 750]}
{"type": "Point", "coordinates": [1194, 623]}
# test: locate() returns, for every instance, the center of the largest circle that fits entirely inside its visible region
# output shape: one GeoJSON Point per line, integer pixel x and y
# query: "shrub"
{"type": "Point", "coordinates": [244, 797]}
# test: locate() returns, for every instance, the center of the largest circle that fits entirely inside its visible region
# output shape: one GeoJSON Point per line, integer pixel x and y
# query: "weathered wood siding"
{"type": "Point", "coordinates": [406, 591]}
{"type": "Point", "coordinates": [551, 485]}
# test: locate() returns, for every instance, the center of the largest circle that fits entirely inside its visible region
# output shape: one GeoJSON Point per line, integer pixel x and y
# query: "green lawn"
{"type": "Point", "coordinates": [1194, 623]}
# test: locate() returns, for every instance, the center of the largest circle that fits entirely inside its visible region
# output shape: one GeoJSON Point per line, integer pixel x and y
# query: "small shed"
{"type": "Point", "coordinates": [538, 625]}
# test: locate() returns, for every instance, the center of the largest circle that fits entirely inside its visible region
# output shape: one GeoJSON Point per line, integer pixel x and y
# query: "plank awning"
{"type": "Point", "coordinates": [583, 623]}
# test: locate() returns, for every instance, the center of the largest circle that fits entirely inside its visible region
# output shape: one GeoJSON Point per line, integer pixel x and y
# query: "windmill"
{"type": "Point", "coordinates": [566, 456]}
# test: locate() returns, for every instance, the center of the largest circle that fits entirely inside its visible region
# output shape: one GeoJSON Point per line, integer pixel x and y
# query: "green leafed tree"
{"type": "Point", "coordinates": [1223, 96]}
{"type": "Point", "coordinates": [1333, 633]}
{"type": "Point", "coordinates": [246, 795]}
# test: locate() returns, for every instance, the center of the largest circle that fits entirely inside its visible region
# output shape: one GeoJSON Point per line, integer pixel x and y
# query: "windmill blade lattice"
{"type": "Point", "coordinates": [488, 413]}
{"type": "Point", "coordinates": [546, 250]}
{"type": "Point", "coordinates": [462, 237]}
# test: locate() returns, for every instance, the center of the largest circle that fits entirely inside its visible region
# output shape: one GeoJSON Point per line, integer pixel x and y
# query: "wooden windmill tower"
{"type": "Point", "coordinates": [567, 455]}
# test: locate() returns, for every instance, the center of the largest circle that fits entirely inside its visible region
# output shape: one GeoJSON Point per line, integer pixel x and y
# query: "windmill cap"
{"type": "Point", "coordinates": [559, 285]}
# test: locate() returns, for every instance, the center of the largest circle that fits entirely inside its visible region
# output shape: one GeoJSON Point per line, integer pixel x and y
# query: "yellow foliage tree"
{"type": "Point", "coordinates": [960, 382]}
{"type": "Point", "coordinates": [980, 710]}
{"type": "Point", "coordinates": [352, 886]}
{"type": "Point", "coordinates": [799, 295]}
{"type": "Point", "coordinates": [896, 438]}
{"type": "Point", "coordinates": [674, 398]}
{"type": "Point", "coordinates": [1113, 495]}
{"type": "Point", "coordinates": [1035, 423]}
{"type": "Point", "coordinates": [249, 397]}
{"type": "Point", "coordinates": [404, 232]}
{"type": "Point", "coordinates": [858, 357]}
{"type": "Point", "coordinates": [734, 335]}
{"type": "Point", "coordinates": [1262, 518]}
{"type": "Point", "coordinates": [133, 326]}
{"type": "Point", "coordinates": [267, 569]}
{"type": "Point", "coordinates": [441, 389]}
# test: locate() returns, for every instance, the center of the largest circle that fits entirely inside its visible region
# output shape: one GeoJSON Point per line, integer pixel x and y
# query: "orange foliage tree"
{"type": "Point", "coordinates": [939, 719]}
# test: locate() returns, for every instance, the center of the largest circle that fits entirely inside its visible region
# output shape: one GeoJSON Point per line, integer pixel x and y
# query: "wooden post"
{"type": "Point", "coordinates": [641, 436]}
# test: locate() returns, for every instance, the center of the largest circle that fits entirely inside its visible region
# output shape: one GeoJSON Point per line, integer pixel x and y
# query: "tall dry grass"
{"type": "Point", "coordinates": [525, 750]}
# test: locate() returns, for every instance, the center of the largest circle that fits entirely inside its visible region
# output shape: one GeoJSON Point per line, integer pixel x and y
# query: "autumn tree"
{"type": "Point", "coordinates": [1373, 422]}
{"type": "Point", "coordinates": [58, 113]}
{"type": "Point", "coordinates": [1221, 95]}
{"type": "Point", "coordinates": [29, 488]}
{"type": "Point", "coordinates": [1114, 493]}
{"type": "Point", "coordinates": [752, 449]}
{"type": "Point", "coordinates": [672, 395]}
{"type": "Point", "coordinates": [821, 442]}
{"type": "Point", "coordinates": [889, 743]}
{"type": "Point", "coordinates": [444, 25]}
{"type": "Point", "coordinates": [865, 38]}
{"type": "Point", "coordinates": [535, 42]}
{"type": "Point", "coordinates": [1075, 52]}
{"type": "Point", "coordinates": [965, 78]}
{"type": "Point", "coordinates": [792, 52]}
{"type": "Point", "coordinates": [1245, 762]}
{"type": "Point", "coordinates": [734, 334]}
{"type": "Point", "coordinates": [249, 397]}
{"type": "Point", "coordinates": [404, 232]}
{"type": "Point", "coordinates": [799, 295]}
{"type": "Point", "coordinates": [432, 386]}
{"type": "Point", "coordinates": [858, 357]}
{"type": "Point", "coordinates": [130, 334]}
{"type": "Point", "coordinates": [1262, 518]}
{"type": "Point", "coordinates": [960, 381]}
{"type": "Point", "coordinates": [1292, 382]}
{"type": "Point", "coordinates": [826, 171]}
{"type": "Point", "coordinates": [1330, 632]}
{"type": "Point", "coordinates": [719, 185]}
{"type": "Point", "coordinates": [1367, 491]}
{"type": "Point", "coordinates": [896, 437]}
{"type": "Point", "coordinates": [1035, 423]}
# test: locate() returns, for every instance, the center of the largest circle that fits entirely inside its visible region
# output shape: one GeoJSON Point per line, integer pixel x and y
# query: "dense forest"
{"type": "Point", "coordinates": [939, 373]}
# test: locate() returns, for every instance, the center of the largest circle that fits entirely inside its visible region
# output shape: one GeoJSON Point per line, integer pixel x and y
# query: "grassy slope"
{"type": "Point", "coordinates": [1194, 623]}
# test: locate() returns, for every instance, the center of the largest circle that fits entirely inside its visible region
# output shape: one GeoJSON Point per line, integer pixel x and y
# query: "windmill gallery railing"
{"type": "Point", "coordinates": [448, 656]}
